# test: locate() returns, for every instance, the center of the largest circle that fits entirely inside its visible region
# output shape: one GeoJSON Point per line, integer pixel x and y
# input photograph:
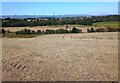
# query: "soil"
{"type": "Point", "coordinates": [61, 57]}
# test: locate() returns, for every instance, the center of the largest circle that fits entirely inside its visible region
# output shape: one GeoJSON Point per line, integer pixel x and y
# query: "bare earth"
{"type": "Point", "coordinates": [83, 57]}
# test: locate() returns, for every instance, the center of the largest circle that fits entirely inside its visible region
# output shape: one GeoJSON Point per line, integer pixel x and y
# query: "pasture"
{"type": "Point", "coordinates": [107, 24]}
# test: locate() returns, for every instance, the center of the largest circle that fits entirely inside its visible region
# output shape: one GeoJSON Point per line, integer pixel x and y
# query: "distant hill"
{"type": "Point", "coordinates": [55, 16]}
{"type": "Point", "coordinates": [39, 16]}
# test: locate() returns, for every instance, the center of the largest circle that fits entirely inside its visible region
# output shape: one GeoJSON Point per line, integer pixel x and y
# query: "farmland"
{"type": "Point", "coordinates": [90, 55]}
{"type": "Point", "coordinates": [83, 57]}
{"type": "Point", "coordinates": [13, 29]}
{"type": "Point", "coordinates": [107, 24]}
{"type": "Point", "coordinates": [64, 41]}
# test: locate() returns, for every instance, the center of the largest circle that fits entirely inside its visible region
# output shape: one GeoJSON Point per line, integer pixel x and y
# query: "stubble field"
{"type": "Point", "coordinates": [83, 57]}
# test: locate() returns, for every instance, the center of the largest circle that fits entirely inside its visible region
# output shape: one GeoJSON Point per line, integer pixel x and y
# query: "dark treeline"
{"type": "Point", "coordinates": [12, 22]}
{"type": "Point", "coordinates": [27, 33]}
{"type": "Point", "coordinates": [60, 31]}
{"type": "Point", "coordinates": [47, 31]}
{"type": "Point", "coordinates": [108, 29]}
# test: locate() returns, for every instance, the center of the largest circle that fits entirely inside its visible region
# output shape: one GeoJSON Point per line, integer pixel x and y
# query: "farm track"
{"type": "Point", "coordinates": [86, 56]}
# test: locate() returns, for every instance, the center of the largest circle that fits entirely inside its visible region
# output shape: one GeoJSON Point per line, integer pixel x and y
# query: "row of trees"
{"type": "Point", "coordinates": [13, 22]}
{"type": "Point", "coordinates": [48, 31]}
{"type": "Point", "coordinates": [108, 29]}
{"type": "Point", "coordinates": [61, 31]}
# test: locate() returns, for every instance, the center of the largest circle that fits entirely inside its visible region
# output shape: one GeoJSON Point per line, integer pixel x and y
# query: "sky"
{"type": "Point", "coordinates": [59, 8]}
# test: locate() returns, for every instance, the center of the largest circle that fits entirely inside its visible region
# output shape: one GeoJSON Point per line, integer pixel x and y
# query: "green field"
{"type": "Point", "coordinates": [106, 24]}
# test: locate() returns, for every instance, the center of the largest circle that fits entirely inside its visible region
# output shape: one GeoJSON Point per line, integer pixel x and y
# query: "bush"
{"type": "Point", "coordinates": [100, 30]}
{"type": "Point", "coordinates": [75, 30]}
{"type": "Point", "coordinates": [88, 30]}
{"type": "Point", "coordinates": [91, 30]}
{"type": "Point", "coordinates": [39, 31]}
{"type": "Point", "coordinates": [110, 29]}
{"type": "Point", "coordinates": [2, 31]}
{"type": "Point", "coordinates": [25, 31]}
{"type": "Point", "coordinates": [48, 31]}
{"type": "Point", "coordinates": [118, 29]}
{"type": "Point", "coordinates": [61, 31]}
{"type": "Point", "coordinates": [33, 32]}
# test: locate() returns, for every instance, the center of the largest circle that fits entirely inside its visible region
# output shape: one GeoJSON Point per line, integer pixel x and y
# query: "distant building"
{"type": "Point", "coordinates": [29, 20]}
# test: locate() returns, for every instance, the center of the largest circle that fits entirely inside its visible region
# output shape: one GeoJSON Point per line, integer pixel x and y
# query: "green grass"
{"type": "Point", "coordinates": [106, 24]}
{"type": "Point", "coordinates": [13, 35]}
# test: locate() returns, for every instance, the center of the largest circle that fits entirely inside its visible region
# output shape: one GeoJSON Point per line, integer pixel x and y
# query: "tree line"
{"type": "Point", "coordinates": [108, 29]}
{"type": "Point", "coordinates": [47, 31]}
{"type": "Point", "coordinates": [60, 31]}
{"type": "Point", "coordinates": [13, 22]}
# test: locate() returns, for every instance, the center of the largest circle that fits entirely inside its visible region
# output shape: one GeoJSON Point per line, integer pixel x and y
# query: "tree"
{"type": "Point", "coordinates": [100, 30]}
{"type": "Point", "coordinates": [3, 31]}
{"type": "Point", "coordinates": [92, 30]}
{"type": "Point", "coordinates": [88, 30]}
{"type": "Point", "coordinates": [39, 32]}
{"type": "Point", "coordinates": [59, 31]}
{"type": "Point", "coordinates": [48, 31]}
{"type": "Point", "coordinates": [75, 30]}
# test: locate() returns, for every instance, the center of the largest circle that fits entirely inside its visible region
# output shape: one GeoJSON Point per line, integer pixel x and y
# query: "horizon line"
{"type": "Point", "coordinates": [54, 15]}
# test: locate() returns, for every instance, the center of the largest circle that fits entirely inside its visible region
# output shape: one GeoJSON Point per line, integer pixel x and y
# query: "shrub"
{"type": "Point", "coordinates": [100, 30]}
{"type": "Point", "coordinates": [25, 31]}
{"type": "Point", "coordinates": [2, 31]}
{"type": "Point", "coordinates": [39, 32]}
{"type": "Point", "coordinates": [31, 26]}
{"type": "Point", "coordinates": [75, 30]}
{"type": "Point", "coordinates": [110, 29]}
{"type": "Point", "coordinates": [88, 30]}
{"type": "Point", "coordinates": [118, 29]}
{"type": "Point", "coordinates": [48, 31]}
{"type": "Point", "coordinates": [33, 32]}
{"type": "Point", "coordinates": [91, 30]}
{"type": "Point", "coordinates": [61, 31]}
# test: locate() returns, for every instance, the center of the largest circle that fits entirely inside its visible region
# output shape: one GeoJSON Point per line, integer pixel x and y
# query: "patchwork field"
{"type": "Point", "coordinates": [83, 57]}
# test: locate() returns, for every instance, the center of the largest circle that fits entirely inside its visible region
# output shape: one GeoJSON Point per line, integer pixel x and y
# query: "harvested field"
{"type": "Point", "coordinates": [83, 57]}
{"type": "Point", "coordinates": [13, 29]}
